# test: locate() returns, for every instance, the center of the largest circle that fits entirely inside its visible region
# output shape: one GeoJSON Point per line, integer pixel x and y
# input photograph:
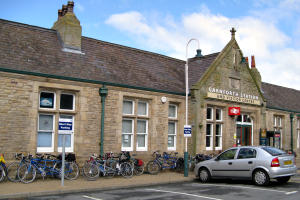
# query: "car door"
{"type": "Point", "coordinates": [222, 166]}
{"type": "Point", "coordinates": [244, 162]}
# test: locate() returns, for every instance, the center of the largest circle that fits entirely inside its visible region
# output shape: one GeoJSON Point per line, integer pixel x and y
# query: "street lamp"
{"type": "Point", "coordinates": [186, 104]}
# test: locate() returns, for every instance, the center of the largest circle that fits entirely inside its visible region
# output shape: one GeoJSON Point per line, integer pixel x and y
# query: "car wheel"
{"type": "Point", "coordinates": [204, 175]}
{"type": "Point", "coordinates": [283, 179]}
{"type": "Point", "coordinates": [260, 177]}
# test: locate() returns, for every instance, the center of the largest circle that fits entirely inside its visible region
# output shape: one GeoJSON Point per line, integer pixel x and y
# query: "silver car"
{"type": "Point", "coordinates": [259, 163]}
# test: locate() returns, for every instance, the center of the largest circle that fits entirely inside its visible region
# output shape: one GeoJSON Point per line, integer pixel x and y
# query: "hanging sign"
{"type": "Point", "coordinates": [187, 131]}
{"type": "Point", "coordinates": [234, 111]}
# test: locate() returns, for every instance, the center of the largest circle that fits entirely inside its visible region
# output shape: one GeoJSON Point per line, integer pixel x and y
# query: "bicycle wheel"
{"type": "Point", "coordinates": [90, 171]}
{"type": "Point", "coordinates": [153, 167]}
{"type": "Point", "coordinates": [71, 170]}
{"type": "Point", "coordinates": [126, 170]}
{"type": "Point", "coordinates": [26, 173]}
{"type": "Point", "coordinates": [12, 171]}
{"type": "Point", "coordinates": [2, 173]}
{"type": "Point", "coordinates": [110, 168]}
{"type": "Point", "coordinates": [139, 170]}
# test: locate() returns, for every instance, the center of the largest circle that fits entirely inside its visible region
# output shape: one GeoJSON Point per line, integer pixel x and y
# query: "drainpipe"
{"type": "Point", "coordinates": [292, 117]}
{"type": "Point", "coordinates": [103, 91]}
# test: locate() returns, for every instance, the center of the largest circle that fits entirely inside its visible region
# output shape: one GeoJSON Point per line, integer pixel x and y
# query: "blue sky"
{"type": "Point", "coordinates": [268, 29]}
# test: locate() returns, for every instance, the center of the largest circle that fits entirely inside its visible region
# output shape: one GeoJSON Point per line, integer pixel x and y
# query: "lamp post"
{"type": "Point", "coordinates": [186, 172]}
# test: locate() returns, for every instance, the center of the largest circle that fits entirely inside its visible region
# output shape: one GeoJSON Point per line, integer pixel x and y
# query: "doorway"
{"type": "Point", "coordinates": [244, 136]}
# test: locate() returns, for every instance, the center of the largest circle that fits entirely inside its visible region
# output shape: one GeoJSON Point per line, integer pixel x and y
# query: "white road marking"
{"type": "Point", "coordinates": [193, 195]}
{"type": "Point", "coordinates": [91, 197]}
{"type": "Point", "coordinates": [253, 188]}
{"type": "Point", "coordinates": [292, 192]}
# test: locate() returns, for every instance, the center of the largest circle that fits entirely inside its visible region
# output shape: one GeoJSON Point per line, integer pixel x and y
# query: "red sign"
{"type": "Point", "coordinates": [234, 111]}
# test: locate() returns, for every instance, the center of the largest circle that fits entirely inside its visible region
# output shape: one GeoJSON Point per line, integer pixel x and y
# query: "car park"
{"type": "Point", "coordinates": [257, 163]}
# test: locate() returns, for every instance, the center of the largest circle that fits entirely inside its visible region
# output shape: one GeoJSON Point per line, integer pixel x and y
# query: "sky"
{"type": "Point", "coordinates": [267, 29]}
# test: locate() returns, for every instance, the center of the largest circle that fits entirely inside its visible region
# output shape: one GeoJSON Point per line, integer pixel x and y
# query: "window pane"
{"type": "Point", "coordinates": [172, 111]}
{"type": "Point", "coordinates": [46, 122]}
{"type": "Point", "coordinates": [127, 126]}
{"type": "Point", "coordinates": [47, 100]}
{"type": "Point", "coordinates": [141, 140]}
{"type": "Point", "coordinates": [239, 118]}
{"type": "Point", "coordinates": [218, 141]}
{"type": "Point", "coordinates": [228, 155]}
{"type": "Point", "coordinates": [209, 113]}
{"type": "Point", "coordinates": [66, 101]}
{"type": "Point", "coordinates": [218, 129]}
{"type": "Point", "coordinates": [218, 114]}
{"type": "Point", "coordinates": [171, 141]}
{"type": "Point", "coordinates": [171, 128]}
{"type": "Point", "coordinates": [44, 139]}
{"type": "Point", "coordinates": [127, 107]}
{"type": "Point", "coordinates": [67, 140]}
{"type": "Point", "coordinates": [142, 108]}
{"type": "Point", "coordinates": [208, 129]}
{"type": "Point", "coordinates": [141, 126]}
{"type": "Point", "coordinates": [207, 141]}
{"type": "Point", "coordinates": [126, 140]}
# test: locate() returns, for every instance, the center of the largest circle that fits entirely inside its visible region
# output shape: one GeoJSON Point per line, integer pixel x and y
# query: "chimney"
{"type": "Point", "coordinates": [255, 72]}
{"type": "Point", "coordinates": [68, 28]}
{"type": "Point", "coordinates": [252, 62]}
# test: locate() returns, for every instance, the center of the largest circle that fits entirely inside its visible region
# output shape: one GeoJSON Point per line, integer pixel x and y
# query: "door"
{"type": "Point", "coordinates": [222, 166]}
{"type": "Point", "coordinates": [243, 135]}
{"type": "Point", "coordinates": [244, 162]}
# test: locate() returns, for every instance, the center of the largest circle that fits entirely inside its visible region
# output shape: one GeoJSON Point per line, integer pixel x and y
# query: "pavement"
{"type": "Point", "coordinates": [51, 186]}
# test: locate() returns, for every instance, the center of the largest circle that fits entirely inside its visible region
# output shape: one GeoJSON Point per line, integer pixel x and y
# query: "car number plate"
{"type": "Point", "coordinates": [287, 162]}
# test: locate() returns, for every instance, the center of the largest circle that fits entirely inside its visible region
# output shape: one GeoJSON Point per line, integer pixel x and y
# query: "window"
{"type": "Point", "coordinates": [48, 135]}
{"type": "Point", "coordinates": [172, 127]}
{"type": "Point", "coordinates": [277, 120]}
{"type": "Point", "coordinates": [209, 132]}
{"type": "Point", "coordinates": [45, 137]}
{"type": "Point", "coordinates": [209, 113]}
{"type": "Point", "coordinates": [47, 100]}
{"type": "Point", "coordinates": [214, 117]}
{"type": "Point", "coordinates": [298, 133]}
{"type": "Point", "coordinates": [245, 153]}
{"type": "Point", "coordinates": [67, 101]}
{"type": "Point", "coordinates": [234, 83]}
{"type": "Point", "coordinates": [128, 107]}
{"type": "Point", "coordinates": [227, 155]}
{"type": "Point", "coordinates": [127, 134]}
{"type": "Point", "coordinates": [135, 125]}
{"type": "Point", "coordinates": [66, 129]}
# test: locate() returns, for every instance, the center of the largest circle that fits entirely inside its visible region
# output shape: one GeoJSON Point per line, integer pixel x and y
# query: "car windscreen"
{"type": "Point", "coordinates": [273, 151]}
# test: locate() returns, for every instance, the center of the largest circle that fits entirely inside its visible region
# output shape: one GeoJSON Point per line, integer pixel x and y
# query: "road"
{"type": "Point", "coordinates": [216, 190]}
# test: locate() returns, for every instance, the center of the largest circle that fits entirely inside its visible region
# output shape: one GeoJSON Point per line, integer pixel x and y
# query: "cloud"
{"type": "Point", "coordinates": [79, 7]}
{"type": "Point", "coordinates": [256, 36]}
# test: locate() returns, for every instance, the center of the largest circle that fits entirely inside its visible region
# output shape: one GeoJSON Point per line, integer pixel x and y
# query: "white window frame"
{"type": "Point", "coordinates": [132, 136]}
{"type": "Point", "coordinates": [54, 100]}
{"type": "Point", "coordinates": [220, 136]}
{"type": "Point", "coordinates": [46, 149]}
{"type": "Point", "coordinates": [73, 109]}
{"type": "Point", "coordinates": [132, 111]}
{"type": "Point", "coordinates": [212, 113]}
{"type": "Point", "coordinates": [147, 108]}
{"type": "Point", "coordinates": [211, 136]}
{"type": "Point", "coordinates": [298, 139]}
{"type": "Point", "coordinates": [275, 120]}
{"type": "Point", "coordinates": [176, 110]}
{"type": "Point", "coordinates": [298, 126]}
{"type": "Point", "coordinates": [279, 121]}
{"type": "Point", "coordinates": [174, 135]}
{"type": "Point", "coordinates": [60, 132]}
{"type": "Point", "coordinates": [145, 148]}
{"type": "Point", "coordinates": [221, 115]}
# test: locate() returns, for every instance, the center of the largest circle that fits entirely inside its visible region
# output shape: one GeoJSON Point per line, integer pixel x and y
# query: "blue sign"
{"type": "Point", "coordinates": [187, 131]}
{"type": "Point", "coordinates": [65, 126]}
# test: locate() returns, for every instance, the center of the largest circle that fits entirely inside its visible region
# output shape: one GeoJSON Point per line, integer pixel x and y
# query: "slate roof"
{"type": "Point", "coordinates": [281, 97]}
{"type": "Point", "coordinates": [38, 50]}
{"type": "Point", "coordinates": [34, 49]}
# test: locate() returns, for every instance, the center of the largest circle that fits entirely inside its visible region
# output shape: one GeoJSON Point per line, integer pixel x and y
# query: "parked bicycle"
{"type": "Point", "coordinates": [165, 161]}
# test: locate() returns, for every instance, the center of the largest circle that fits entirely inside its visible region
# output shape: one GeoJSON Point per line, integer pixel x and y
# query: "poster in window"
{"type": "Point", "coordinates": [46, 102]}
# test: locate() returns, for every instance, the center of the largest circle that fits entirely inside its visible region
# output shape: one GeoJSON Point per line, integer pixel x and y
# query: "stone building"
{"type": "Point", "coordinates": [56, 82]}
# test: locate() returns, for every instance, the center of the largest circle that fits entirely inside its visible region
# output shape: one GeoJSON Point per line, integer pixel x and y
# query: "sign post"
{"type": "Point", "coordinates": [63, 160]}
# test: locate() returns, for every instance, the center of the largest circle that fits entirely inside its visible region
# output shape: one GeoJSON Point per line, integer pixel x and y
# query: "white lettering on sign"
{"type": "Point", "coordinates": [232, 93]}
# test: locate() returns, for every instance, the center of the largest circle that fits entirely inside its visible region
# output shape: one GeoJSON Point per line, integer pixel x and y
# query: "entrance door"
{"type": "Point", "coordinates": [243, 135]}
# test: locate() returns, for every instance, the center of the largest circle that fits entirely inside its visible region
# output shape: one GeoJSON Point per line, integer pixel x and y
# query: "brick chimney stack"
{"type": "Point", "coordinates": [255, 72]}
{"type": "Point", "coordinates": [68, 28]}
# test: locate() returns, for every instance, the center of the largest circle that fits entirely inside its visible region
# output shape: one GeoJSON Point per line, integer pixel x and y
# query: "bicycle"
{"type": "Point", "coordinates": [165, 161]}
